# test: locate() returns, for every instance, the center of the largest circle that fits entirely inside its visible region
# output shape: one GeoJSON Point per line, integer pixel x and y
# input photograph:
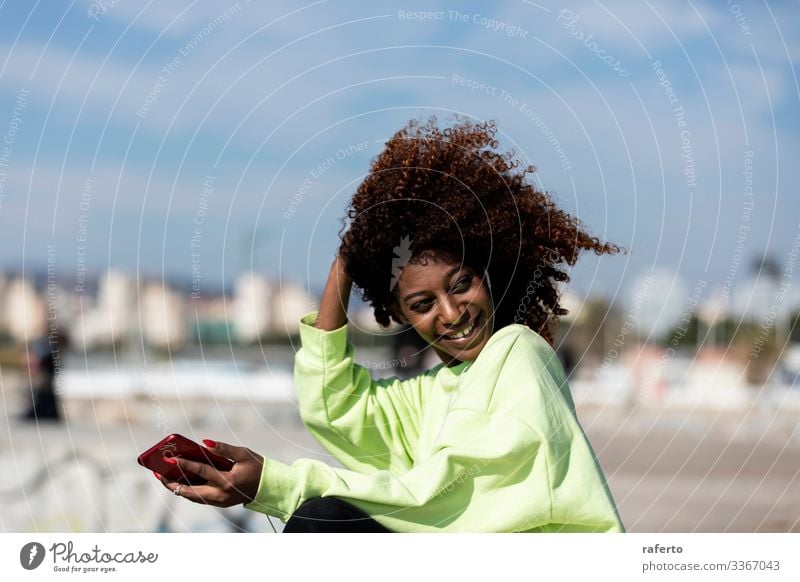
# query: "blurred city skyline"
{"type": "Point", "coordinates": [256, 305]}
{"type": "Point", "coordinates": [162, 139]}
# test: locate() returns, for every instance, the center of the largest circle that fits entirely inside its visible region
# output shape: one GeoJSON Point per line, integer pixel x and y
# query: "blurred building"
{"type": "Point", "coordinates": [24, 311]}
{"type": "Point", "coordinates": [110, 317]}
{"type": "Point", "coordinates": [115, 296]}
{"type": "Point", "coordinates": [164, 316]}
{"type": "Point", "coordinates": [252, 307]}
{"type": "Point", "coordinates": [211, 313]}
{"type": "Point", "coordinates": [289, 303]}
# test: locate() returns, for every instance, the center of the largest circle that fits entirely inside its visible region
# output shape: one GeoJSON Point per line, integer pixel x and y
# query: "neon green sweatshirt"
{"type": "Point", "coordinates": [492, 445]}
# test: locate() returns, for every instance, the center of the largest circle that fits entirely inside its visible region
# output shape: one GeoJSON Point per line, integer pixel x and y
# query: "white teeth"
{"type": "Point", "coordinates": [462, 333]}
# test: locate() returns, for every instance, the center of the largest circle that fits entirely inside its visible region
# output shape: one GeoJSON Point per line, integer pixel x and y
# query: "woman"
{"type": "Point", "coordinates": [447, 237]}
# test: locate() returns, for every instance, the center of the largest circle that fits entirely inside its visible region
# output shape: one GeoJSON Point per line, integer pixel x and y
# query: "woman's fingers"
{"type": "Point", "coordinates": [196, 493]}
{"type": "Point", "coordinates": [236, 454]}
{"type": "Point", "coordinates": [203, 470]}
{"type": "Point", "coordinates": [223, 488]}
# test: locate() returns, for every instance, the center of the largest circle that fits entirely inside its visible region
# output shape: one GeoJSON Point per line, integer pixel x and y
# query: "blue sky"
{"type": "Point", "coordinates": [147, 102]}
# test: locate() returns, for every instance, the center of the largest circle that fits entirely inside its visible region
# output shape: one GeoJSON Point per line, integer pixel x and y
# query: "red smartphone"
{"type": "Point", "coordinates": [176, 445]}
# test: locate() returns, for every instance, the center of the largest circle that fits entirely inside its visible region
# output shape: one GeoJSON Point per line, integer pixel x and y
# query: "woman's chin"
{"type": "Point", "coordinates": [470, 350]}
{"type": "Point", "coordinates": [452, 352]}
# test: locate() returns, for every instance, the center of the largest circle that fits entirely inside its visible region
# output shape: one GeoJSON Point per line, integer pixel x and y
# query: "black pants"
{"type": "Point", "coordinates": [331, 515]}
{"type": "Point", "coordinates": [44, 406]}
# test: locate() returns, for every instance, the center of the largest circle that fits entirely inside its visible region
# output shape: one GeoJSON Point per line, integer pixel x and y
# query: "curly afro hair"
{"type": "Point", "coordinates": [455, 196]}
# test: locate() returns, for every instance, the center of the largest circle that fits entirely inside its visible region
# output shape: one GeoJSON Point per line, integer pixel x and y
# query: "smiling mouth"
{"type": "Point", "coordinates": [465, 333]}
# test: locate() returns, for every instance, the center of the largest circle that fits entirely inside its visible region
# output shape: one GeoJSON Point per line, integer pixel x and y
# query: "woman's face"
{"type": "Point", "coordinates": [448, 304]}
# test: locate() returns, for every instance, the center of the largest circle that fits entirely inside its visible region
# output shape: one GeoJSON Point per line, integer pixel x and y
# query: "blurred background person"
{"type": "Point", "coordinates": [42, 363]}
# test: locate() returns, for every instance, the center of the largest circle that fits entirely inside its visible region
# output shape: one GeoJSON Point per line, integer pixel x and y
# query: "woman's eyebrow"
{"type": "Point", "coordinates": [448, 276]}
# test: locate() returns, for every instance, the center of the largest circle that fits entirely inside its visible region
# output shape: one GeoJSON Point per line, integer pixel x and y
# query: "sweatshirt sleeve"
{"type": "Point", "coordinates": [468, 484]}
{"type": "Point", "coordinates": [494, 467]}
{"type": "Point", "coordinates": [531, 385]}
{"type": "Point", "coordinates": [367, 424]}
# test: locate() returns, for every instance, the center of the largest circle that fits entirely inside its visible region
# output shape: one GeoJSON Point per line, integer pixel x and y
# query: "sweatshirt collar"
{"type": "Point", "coordinates": [457, 369]}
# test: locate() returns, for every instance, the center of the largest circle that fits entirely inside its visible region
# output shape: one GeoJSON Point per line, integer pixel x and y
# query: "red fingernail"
{"type": "Point", "coordinates": [209, 443]}
{"type": "Point", "coordinates": [158, 475]}
{"type": "Point", "coordinates": [170, 460]}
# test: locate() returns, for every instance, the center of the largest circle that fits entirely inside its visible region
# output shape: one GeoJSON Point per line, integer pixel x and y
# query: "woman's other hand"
{"type": "Point", "coordinates": [224, 488]}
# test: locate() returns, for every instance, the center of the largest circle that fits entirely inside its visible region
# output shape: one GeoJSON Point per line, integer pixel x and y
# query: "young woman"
{"type": "Point", "coordinates": [447, 237]}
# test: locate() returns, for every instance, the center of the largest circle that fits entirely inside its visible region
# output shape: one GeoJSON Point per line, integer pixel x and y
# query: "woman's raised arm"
{"type": "Point", "coordinates": [333, 307]}
{"type": "Point", "coordinates": [369, 423]}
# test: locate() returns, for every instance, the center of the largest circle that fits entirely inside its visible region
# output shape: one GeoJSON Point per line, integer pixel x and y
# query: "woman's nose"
{"type": "Point", "coordinates": [451, 315]}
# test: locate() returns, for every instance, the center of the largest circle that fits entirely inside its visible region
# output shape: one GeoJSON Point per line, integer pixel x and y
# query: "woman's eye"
{"type": "Point", "coordinates": [463, 283]}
